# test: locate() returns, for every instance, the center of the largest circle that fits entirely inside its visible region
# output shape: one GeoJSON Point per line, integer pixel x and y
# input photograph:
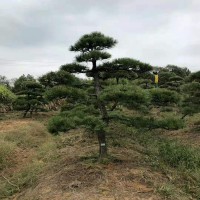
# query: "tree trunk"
{"type": "Point", "coordinates": [26, 111]}
{"type": "Point", "coordinates": [102, 145]}
{"type": "Point", "coordinates": [103, 111]}
{"type": "Point", "coordinates": [117, 79]}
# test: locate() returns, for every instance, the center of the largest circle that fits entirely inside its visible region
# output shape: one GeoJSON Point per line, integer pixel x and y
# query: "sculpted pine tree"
{"type": "Point", "coordinates": [91, 48]}
{"type": "Point", "coordinates": [90, 104]}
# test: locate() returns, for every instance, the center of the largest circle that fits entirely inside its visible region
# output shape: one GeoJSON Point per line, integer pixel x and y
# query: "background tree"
{"type": "Point", "coordinates": [19, 83]}
{"type": "Point", "coordinates": [60, 77]}
{"type": "Point", "coordinates": [191, 92]}
{"type": "Point", "coordinates": [179, 71]}
{"type": "Point", "coordinates": [6, 97]}
{"type": "Point", "coordinates": [30, 97]}
{"type": "Point", "coordinates": [172, 77]}
{"type": "Point", "coordinates": [125, 68]}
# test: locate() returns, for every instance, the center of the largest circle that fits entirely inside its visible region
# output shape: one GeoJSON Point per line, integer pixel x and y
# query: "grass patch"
{"type": "Point", "coordinates": [26, 178]}
{"type": "Point", "coordinates": [35, 141]}
{"type": "Point", "coordinates": [48, 152]}
{"type": "Point", "coordinates": [167, 190]}
{"type": "Point", "coordinates": [168, 155]}
{"type": "Point", "coordinates": [6, 154]}
{"type": "Point", "coordinates": [180, 163]}
{"type": "Point", "coordinates": [179, 156]}
{"type": "Point", "coordinates": [29, 136]}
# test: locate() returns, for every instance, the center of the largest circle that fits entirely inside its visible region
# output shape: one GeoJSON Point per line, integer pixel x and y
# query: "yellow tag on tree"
{"type": "Point", "coordinates": [156, 78]}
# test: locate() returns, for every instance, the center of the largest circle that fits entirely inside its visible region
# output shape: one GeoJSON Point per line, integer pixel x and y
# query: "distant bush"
{"type": "Point", "coordinates": [163, 96]}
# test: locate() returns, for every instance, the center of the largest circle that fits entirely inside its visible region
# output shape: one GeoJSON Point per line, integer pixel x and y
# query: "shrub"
{"type": "Point", "coordinates": [59, 124]}
{"type": "Point", "coordinates": [164, 97]}
{"type": "Point", "coordinates": [6, 96]}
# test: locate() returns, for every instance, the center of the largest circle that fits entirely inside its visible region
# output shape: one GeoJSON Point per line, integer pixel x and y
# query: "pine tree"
{"type": "Point", "coordinates": [29, 97]}
{"type": "Point", "coordinates": [88, 104]}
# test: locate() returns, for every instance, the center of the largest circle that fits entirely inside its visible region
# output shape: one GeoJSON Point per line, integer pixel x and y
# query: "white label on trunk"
{"type": "Point", "coordinates": [103, 144]}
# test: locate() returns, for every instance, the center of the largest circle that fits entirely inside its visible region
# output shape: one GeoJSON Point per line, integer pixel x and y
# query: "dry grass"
{"type": "Point", "coordinates": [65, 167]}
{"type": "Point", "coordinates": [190, 135]}
{"type": "Point", "coordinates": [22, 156]}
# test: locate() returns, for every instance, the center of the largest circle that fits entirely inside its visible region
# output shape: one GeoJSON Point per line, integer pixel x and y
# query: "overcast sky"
{"type": "Point", "coordinates": [35, 35]}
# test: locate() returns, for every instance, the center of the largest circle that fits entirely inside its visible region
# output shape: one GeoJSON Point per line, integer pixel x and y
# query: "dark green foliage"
{"type": "Point", "coordinates": [168, 123]}
{"type": "Point", "coordinates": [172, 77]}
{"type": "Point", "coordinates": [92, 55]}
{"type": "Point", "coordinates": [80, 116]}
{"type": "Point", "coordinates": [179, 71]}
{"type": "Point", "coordinates": [195, 76]}
{"type": "Point", "coordinates": [59, 124]}
{"type": "Point", "coordinates": [95, 41]}
{"type": "Point", "coordinates": [30, 97]}
{"type": "Point", "coordinates": [177, 155]}
{"type": "Point", "coordinates": [191, 101]}
{"type": "Point", "coordinates": [71, 94]}
{"type": "Point", "coordinates": [163, 97]}
{"type": "Point", "coordinates": [176, 78]}
{"type": "Point", "coordinates": [60, 77]}
{"type": "Point", "coordinates": [73, 68]}
{"type": "Point", "coordinates": [127, 95]}
{"type": "Point", "coordinates": [171, 123]}
{"type": "Point", "coordinates": [19, 84]}
{"type": "Point", "coordinates": [164, 77]}
{"type": "Point", "coordinates": [124, 68]}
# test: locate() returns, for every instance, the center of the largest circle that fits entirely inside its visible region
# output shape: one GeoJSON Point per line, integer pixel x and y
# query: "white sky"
{"type": "Point", "coordinates": [35, 35]}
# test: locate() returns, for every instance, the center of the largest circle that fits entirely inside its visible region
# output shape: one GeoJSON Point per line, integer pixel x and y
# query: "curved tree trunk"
{"type": "Point", "coordinates": [103, 111]}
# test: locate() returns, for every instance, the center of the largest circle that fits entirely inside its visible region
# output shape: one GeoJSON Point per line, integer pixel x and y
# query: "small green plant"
{"type": "Point", "coordinates": [167, 190]}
